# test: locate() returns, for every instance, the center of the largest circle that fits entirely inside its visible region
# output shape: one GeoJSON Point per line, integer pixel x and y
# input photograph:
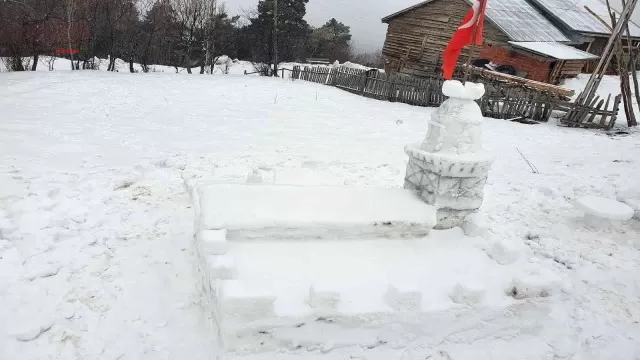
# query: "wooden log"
{"type": "Point", "coordinates": [526, 82]}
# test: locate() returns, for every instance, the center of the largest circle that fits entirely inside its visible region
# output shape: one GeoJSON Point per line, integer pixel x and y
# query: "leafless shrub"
{"type": "Point", "coordinates": [16, 63]}
{"type": "Point", "coordinates": [262, 69]}
{"type": "Point", "coordinates": [371, 59]}
{"type": "Point", "coordinates": [51, 60]}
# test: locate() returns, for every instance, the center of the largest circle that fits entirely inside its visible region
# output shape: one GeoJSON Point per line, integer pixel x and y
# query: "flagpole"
{"type": "Point", "coordinates": [472, 52]}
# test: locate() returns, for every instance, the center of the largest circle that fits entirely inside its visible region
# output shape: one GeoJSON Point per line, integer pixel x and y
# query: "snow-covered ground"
{"type": "Point", "coordinates": [224, 66]}
{"type": "Point", "coordinates": [97, 259]}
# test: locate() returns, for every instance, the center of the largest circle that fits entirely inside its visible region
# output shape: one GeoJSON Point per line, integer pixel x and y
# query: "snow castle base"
{"type": "Point", "coordinates": [276, 255]}
{"type": "Point", "coordinates": [455, 184]}
{"type": "Point", "coordinates": [272, 277]}
{"type": "Point", "coordinates": [305, 286]}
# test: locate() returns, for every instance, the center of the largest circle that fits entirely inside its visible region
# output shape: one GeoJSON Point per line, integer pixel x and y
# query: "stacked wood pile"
{"type": "Point", "coordinates": [503, 100]}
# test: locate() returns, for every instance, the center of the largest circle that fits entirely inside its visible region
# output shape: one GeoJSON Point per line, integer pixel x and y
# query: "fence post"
{"type": "Point", "coordinates": [392, 88]}
{"type": "Point", "coordinates": [366, 80]}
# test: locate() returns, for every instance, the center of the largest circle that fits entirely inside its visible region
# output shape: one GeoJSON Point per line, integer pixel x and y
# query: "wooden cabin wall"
{"type": "Point", "coordinates": [597, 48]}
{"type": "Point", "coordinates": [415, 40]}
{"type": "Point", "coordinates": [572, 68]}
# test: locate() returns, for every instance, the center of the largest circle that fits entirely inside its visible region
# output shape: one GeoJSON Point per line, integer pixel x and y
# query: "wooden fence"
{"type": "Point", "coordinates": [593, 114]}
{"type": "Point", "coordinates": [502, 100]}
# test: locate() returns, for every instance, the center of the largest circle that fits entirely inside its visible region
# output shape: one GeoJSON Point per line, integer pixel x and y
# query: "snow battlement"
{"type": "Point", "coordinates": [468, 91]}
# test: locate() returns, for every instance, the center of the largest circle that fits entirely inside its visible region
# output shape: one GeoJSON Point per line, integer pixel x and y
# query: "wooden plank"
{"type": "Point", "coordinates": [603, 119]}
{"type": "Point", "coordinates": [526, 82]}
{"type": "Point", "coordinates": [596, 110]}
{"type": "Point", "coordinates": [614, 116]}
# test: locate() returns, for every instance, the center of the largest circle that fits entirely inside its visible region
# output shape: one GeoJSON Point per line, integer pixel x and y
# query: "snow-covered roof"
{"type": "Point", "coordinates": [554, 50]}
{"type": "Point", "coordinates": [575, 17]}
{"type": "Point", "coordinates": [520, 21]}
{"type": "Point", "coordinates": [517, 19]}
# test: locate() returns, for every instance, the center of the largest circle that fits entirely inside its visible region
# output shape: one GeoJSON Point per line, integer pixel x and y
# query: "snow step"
{"type": "Point", "coordinates": [222, 267]}
{"type": "Point", "coordinates": [213, 242]}
{"type": "Point", "coordinates": [253, 301]}
{"type": "Point", "coordinates": [404, 297]}
{"type": "Point", "coordinates": [245, 301]}
{"type": "Point", "coordinates": [248, 211]}
{"type": "Point", "coordinates": [324, 297]}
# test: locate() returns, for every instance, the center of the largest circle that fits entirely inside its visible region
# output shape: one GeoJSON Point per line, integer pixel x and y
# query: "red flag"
{"type": "Point", "coordinates": [464, 37]}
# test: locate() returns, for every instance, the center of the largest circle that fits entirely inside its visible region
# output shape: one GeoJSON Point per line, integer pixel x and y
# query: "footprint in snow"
{"type": "Point", "coordinates": [33, 333]}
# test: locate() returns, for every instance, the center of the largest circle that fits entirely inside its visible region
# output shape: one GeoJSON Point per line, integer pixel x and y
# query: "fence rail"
{"type": "Point", "coordinates": [593, 114]}
{"type": "Point", "coordinates": [503, 99]}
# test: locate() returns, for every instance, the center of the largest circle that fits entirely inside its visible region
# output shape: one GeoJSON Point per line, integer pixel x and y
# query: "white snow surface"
{"type": "Point", "coordinates": [96, 252]}
{"type": "Point", "coordinates": [555, 50]}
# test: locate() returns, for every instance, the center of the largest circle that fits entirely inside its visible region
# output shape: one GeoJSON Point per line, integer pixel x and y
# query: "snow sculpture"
{"type": "Point", "coordinates": [450, 168]}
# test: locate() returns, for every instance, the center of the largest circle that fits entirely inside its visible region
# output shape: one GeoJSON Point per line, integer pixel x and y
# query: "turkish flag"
{"type": "Point", "coordinates": [464, 37]}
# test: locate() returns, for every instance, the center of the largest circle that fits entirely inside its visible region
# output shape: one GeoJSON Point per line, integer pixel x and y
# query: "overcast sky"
{"type": "Point", "coordinates": [363, 16]}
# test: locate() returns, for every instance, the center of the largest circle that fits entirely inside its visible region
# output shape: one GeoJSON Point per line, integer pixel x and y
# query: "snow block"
{"type": "Point", "coordinates": [534, 285]}
{"type": "Point", "coordinates": [453, 184]}
{"type": "Point", "coordinates": [245, 301]}
{"type": "Point", "coordinates": [213, 242]}
{"type": "Point", "coordinates": [605, 208]}
{"type": "Point", "coordinates": [466, 91]}
{"type": "Point", "coordinates": [403, 297]}
{"type": "Point", "coordinates": [324, 297]}
{"type": "Point", "coordinates": [475, 225]}
{"type": "Point", "coordinates": [278, 212]}
{"type": "Point", "coordinates": [466, 294]}
{"type": "Point", "coordinates": [504, 253]}
{"type": "Point", "coordinates": [221, 267]}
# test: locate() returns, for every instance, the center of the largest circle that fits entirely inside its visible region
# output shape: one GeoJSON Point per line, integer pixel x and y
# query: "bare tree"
{"type": "Point", "coordinates": [25, 29]}
{"type": "Point", "coordinates": [210, 22]}
{"type": "Point", "coordinates": [190, 15]}
{"type": "Point", "coordinates": [70, 5]}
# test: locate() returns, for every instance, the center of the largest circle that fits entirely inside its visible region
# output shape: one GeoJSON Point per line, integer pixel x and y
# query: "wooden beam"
{"type": "Point", "coordinates": [530, 83]}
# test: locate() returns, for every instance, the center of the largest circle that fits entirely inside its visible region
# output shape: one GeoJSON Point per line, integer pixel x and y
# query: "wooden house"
{"type": "Point", "coordinates": [516, 33]}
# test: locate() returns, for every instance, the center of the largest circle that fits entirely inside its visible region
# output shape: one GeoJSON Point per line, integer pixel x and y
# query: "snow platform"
{"type": "Point", "coordinates": [301, 212]}
{"type": "Point", "coordinates": [279, 262]}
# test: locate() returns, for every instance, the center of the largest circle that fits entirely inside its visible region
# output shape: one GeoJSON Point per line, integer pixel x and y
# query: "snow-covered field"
{"type": "Point", "coordinates": [224, 66]}
{"type": "Point", "coordinates": [53, 63]}
{"type": "Point", "coordinates": [97, 259]}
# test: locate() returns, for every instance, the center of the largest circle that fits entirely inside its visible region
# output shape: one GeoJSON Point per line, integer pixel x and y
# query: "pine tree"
{"type": "Point", "coordinates": [331, 41]}
{"type": "Point", "coordinates": [293, 31]}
